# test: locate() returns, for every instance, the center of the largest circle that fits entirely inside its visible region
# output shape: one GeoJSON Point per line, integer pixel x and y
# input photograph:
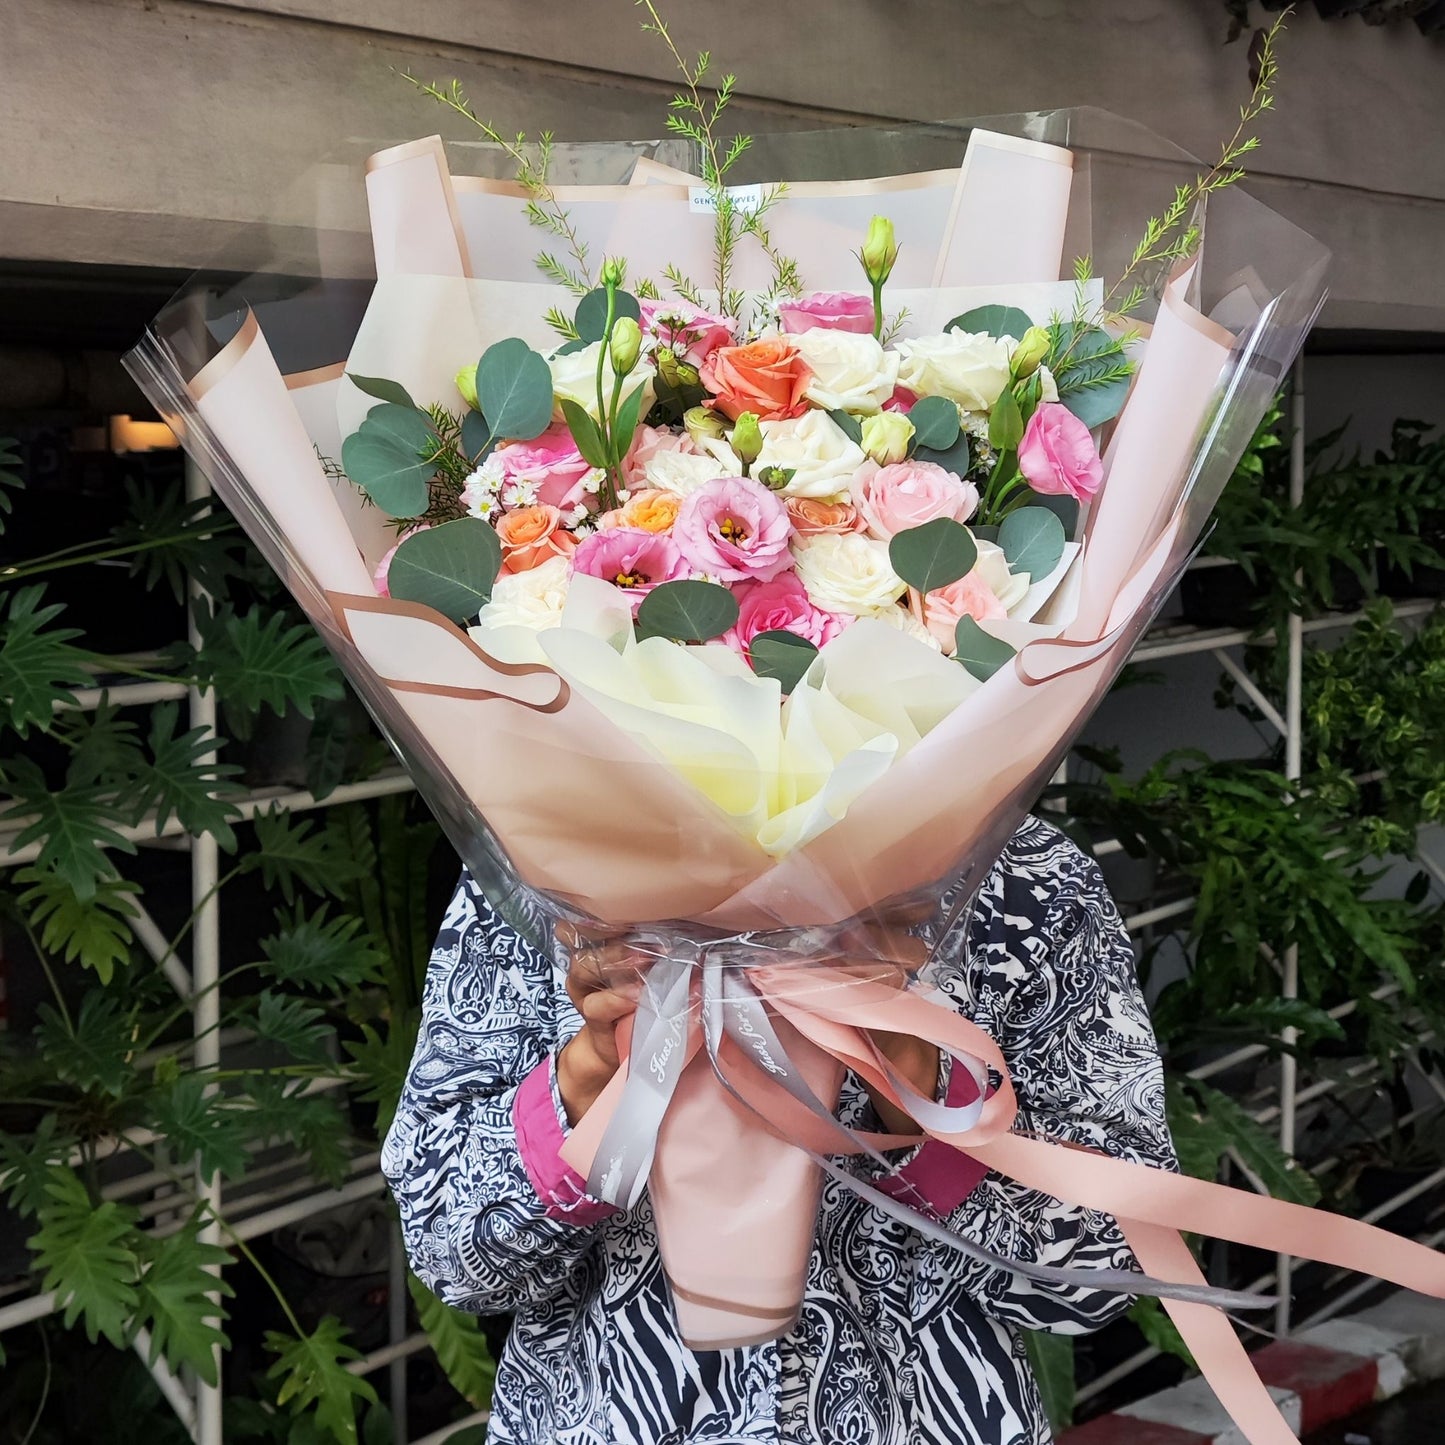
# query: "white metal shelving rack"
{"type": "Point", "coordinates": [278, 1194]}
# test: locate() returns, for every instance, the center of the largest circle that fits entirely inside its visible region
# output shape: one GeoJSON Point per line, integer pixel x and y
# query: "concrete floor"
{"type": "Point", "coordinates": [1415, 1418]}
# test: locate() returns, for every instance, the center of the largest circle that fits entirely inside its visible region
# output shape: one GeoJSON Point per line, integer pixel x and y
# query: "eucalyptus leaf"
{"type": "Point", "coordinates": [591, 316]}
{"type": "Point", "coordinates": [957, 459]}
{"type": "Point", "coordinates": [848, 424]}
{"type": "Point", "coordinates": [514, 390]}
{"type": "Point", "coordinates": [1032, 540]}
{"type": "Point", "coordinates": [783, 655]}
{"type": "Point", "coordinates": [993, 320]}
{"type": "Point", "coordinates": [585, 433]}
{"type": "Point", "coordinates": [382, 389]}
{"type": "Point", "coordinates": [935, 423]}
{"type": "Point", "coordinates": [687, 611]}
{"type": "Point", "coordinates": [387, 457]}
{"type": "Point", "coordinates": [933, 555]}
{"type": "Point", "coordinates": [450, 568]}
{"type": "Point", "coordinates": [477, 438]}
{"type": "Point", "coordinates": [1005, 422]}
{"type": "Point", "coordinates": [628, 415]}
{"type": "Point", "coordinates": [1063, 506]}
{"type": "Point", "coordinates": [980, 654]}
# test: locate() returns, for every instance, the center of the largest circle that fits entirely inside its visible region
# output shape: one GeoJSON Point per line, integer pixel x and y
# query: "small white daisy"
{"type": "Point", "coordinates": [592, 482]}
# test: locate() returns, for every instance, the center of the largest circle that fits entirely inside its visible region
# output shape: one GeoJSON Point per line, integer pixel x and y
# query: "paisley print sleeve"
{"type": "Point", "coordinates": [1049, 972]}
{"type": "Point", "coordinates": [476, 1232]}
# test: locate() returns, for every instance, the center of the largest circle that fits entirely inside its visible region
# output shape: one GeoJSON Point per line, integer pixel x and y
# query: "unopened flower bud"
{"type": "Point", "coordinates": [625, 344]}
{"type": "Point", "coordinates": [775, 478]}
{"type": "Point", "coordinates": [1030, 351]}
{"type": "Point", "coordinates": [675, 372]}
{"type": "Point", "coordinates": [880, 250]}
{"type": "Point", "coordinates": [466, 383]}
{"type": "Point", "coordinates": [703, 424]}
{"type": "Point", "coordinates": [747, 439]}
{"type": "Point", "coordinates": [886, 437]}
{"type": "Point", "coordinates": [612, 273]}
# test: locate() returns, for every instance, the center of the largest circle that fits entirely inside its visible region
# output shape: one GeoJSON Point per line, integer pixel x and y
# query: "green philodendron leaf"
{"type": "Point", "coordinates": [94, 1053]}
{"type": "Point", "coordinates": [783, 655]}
{"type": "Point", "coordinates": [687, 611]}
{"type": "Point", "coordinates": [933, 555]}
{"type": "Point", "coordinates": [265, 658]}
{"type": "Point", "coordinates": [1159, 1330]}
{"type": "Point", "coordinates": [312, 1371]}
{"type": "Point", "coordinates": [585, 433]}
{"type": "Point", "coordinates": [591, 315]}
{"type": "Point", "coordinates": [628, 416]}
{"type": "Point", "coordinates": [935, 423]}
{"type": "Point", "coordinates": [980, 654]}
{"type": "Point", "coordinates": [387, 457]}
{"type": "Point", "coordinates": [326, 955]}
{"type": "Point", "coordinates": [1051, 1358]}
{"type": "Point", "coordinates": [1032, 540]}
{"type": "Point", "coordinates": [181, 779]}
{"type": "Point", "coordinates": [450, 568]}
{"type": "Point", "coordinates": [848, 424]}
{"type": "Point", "coordinates": [993, 320]}
{"type": "Point", "coordinates": [175, 1304]}
{"type": "Point", "coordinates": [38, 663]}
{"type": "Point", "coordinates": [383, 1061]}
{"type": "Point", "coordinates": [1005, 422]}
{"type": "Point", "coordinates": [292, 853]}
{"type": "Point", "coordinates": [1259, 1151]}
{"type": "Point", "coordinates": [514, 390]}
{"type": "Point", "coordinates": [382, 389]}
{"type": "Point", "coordinates": [93, 931]}
{"type": "Point", "coordinates": [294, 1025]}
{"type": "Point", "coordinates": [461, 1347]}
{"type": "Point", "coordinates": [10, 478]}
{"type": "Point", "coordinates": [201, 1124]}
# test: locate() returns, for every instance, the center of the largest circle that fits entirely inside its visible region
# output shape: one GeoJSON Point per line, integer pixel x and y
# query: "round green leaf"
{"type": "Point", "coordinates": [514, 390]}
{"type": "Point", "coordinates": [385, 457]}
{"type": "Point", "coordinates": [1064, 507]}
{"type": "Point", "coordinates": [477, 436]}
{"type": "Point", "coordinates": [381, 389]}
{"type": "Point", "coordinates": [450, 568]}
{"type": "Point", "coordinates": [687, 611]}
{"type": "Point", "coordinates": [935, 423]}
{"type": "Point", "coordinates": [994, 320]}
{"type": "Point", "coordinates": [933, 555]}
{"type": "Point", "coordinates": [957, 459]}
{"type": "Point", "coordinates": [783, 655]}
{"type": "Point", "coordinates": [1032, 540]}
{"type": "Point", "coordinates": [980, 654]}
{"type": "Point", "coordinates": [591, 317]}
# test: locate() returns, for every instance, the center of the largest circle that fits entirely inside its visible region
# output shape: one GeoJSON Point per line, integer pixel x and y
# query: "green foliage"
{"type": "Point", "coordinates": [461, 1348]}
{"type": "Point", "coordinates": [391, 457]}
{"type": "Point", "coordinates": [96, 1052]}
{"type": "Point", "coordinates": [39, 663]}
{"type": "Point", "coordinates": [177, 1274]}
{"type": "Point", "coordinates": [782, 655]}
{"type": "Point", "coordinates": [382, 389]}
{"type": "Point", "coordinates": [687, 611]}
{"type": "Point", "coordinates": [1032, 540]}
{"type": "Point", "coordinates": [935, 423]}
{"type": "Point", "coordinates": [313, 1124]}
{"type": "Point", "coordinates": [514, 390]}
{"type": "Point", "coordinates": [93, 931]}
{"type": "Point", "coordinates": [294, 1025]}
{"type": "Point", "coordinates": [312, 1371]}
{"type": "Point", "coordinates": [173, 539]}
{"type": "Point", "coordinates": [992, 321]}
{"type": "Point", "coordinates": [1090, 369]}
{"type": "Point", "coordinates": [590, 320]}
{"type": "Point", "coordinates": [294, 853]}
{"type": "Point", "coordinates": [10, 478]}
{"type": "Point", "coordinates": [382, 1060]}
{"type": "Point", "coordinates": [450, 568]}
{"type": "Point", "coordinates": [1159, 1330]}
{"type": "Point", "coordinates": [198, 1122]}
{"type": "Point", "coordinates": [977, 651]}
{"type": "Point", "coordinates": [85, 1253]}
{"type": "Point", "coordinates": [182, 780]}
{"type": "Point", "coordinates": [326, 955]}
{"type": "Point", "coordinates": [1051, 1358]}
{"type": "Point", "coordinates": [934, 554]}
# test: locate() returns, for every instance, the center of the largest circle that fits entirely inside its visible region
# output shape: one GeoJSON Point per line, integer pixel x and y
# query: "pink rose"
{"type": "Point", "coordinates": [1058, 456]}
{"type": "Point", "coordinates": [781, 605]}
{"type": "Point", "coordinates": [384, 566]}
{"type": "Point", "coordinates": [693, 335]}
{"type": "Point", "coordinates": [650, 442]}
{"type": "Point", "coordinates": [810, 517]}
{"type": "Point", "coordinates": [734, 530]}
{"type": "Point", "coordinates": [551, 463]}
{"type": "Point", "coordinates": [834, 310]}
{"type": "Point", "coordinates": [970, 596]}
{"type": "Point", "coordinates": [908, 494]}
{"type": "Point", "coordinates": [629, 558]}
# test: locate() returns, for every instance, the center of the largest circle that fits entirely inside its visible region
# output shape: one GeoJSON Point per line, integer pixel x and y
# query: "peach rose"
{"type": "Point", "coordinates": [811, 517]}
{"type": "Point", "coordinates": [971, 597]}
{"type": "Point", "coordinates": [652, 510]}
{"type": "Point", "coordinates": [767, 377]}
{"type": "Point", "coordinates": [532, 535]}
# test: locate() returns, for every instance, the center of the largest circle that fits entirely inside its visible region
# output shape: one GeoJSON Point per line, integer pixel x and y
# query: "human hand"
{"type": "Point", "coordinates": [603, 984]}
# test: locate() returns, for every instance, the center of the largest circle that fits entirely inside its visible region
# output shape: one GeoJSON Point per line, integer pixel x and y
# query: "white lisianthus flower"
{"type": "Point", "coordinates": [682, 473]}
{"type": "Point", "coordinates": [574, 378]}
{"type": "Point", "coordinates": [533, 599]}
{"type": "Point", "coordinates": [905, 622]}
{"type": "Point", "coordinates": [993, 570]}
{"type": "Point", "coordinates": [823, 458]}
{"type": "Point", "coordinates": [847, 572]}
{"type": "Point", "coordinates": [851, 372]}
{"type": "Point", "coordinates": [1048, 387]}
{"type": "Point", "coordinates": [971, 368]}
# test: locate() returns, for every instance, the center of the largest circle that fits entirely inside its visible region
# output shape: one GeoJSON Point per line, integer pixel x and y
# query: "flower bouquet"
{"type": "Point", "coordinates": [735, 622]}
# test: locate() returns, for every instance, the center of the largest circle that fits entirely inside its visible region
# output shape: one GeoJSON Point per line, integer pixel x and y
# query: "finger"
{"type": "Point", "coordinates": [603, 1009]}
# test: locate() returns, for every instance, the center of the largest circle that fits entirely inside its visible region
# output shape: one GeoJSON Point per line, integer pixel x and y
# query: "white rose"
{"type": "Point", "coordinates": [824, 459]}
{"type": "Point", "coordinates": [905, 622]}
{"type": "Point", "coordinates": [532, 599]}
{"type": "Point", "coordinates": [992, 568]}
{"type": "Point", "coordinates": [574, 378]}
{"type": "Point", "coordinates": [969, 368]}
{"type": "Point", "coordinates": [850, 372]}
{"type": "Point", "coordinates": [847, 573]}
{"type": "Point", "coordinates": [683, 472]}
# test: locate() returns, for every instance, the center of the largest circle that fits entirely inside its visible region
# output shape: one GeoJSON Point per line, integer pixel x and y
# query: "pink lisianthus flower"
{"type": "Point", "coordinates": [833, 310]}
{"type": "Point", "coordinates": [384, 566]}
{"type": "Point", "coordinates": [551, 463]}
{"type": "Point", "coordinates": [647, 443]}
{"type": "Point", "coordinates": [1057, 454]}
{"type": "Point", "coordinates": [735, 530]}
{"type": "Point", "coordinates": [692, 334]}
{"type": "Point", "coordinates": [782, 605]}
{"type": "Point", "coordinates": [631, 559]}
{"type": "Point", "coordinates": [908, 494]}
{"type": "Point", "coordinates": [971, 597]}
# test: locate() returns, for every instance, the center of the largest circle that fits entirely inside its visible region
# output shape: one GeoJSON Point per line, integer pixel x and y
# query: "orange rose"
{"type": "Point", "coordinates": [530, 536]}
{"type": "Point", "coordinates": [811, 517]}
{"type": "Point", "coordinates": [652, 510]}
{"type": "Point", "coordinates": [766, 377]}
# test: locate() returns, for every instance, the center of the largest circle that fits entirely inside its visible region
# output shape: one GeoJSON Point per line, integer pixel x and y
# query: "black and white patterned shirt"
{"type": "Point", "coordinates": [900, 1341]}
